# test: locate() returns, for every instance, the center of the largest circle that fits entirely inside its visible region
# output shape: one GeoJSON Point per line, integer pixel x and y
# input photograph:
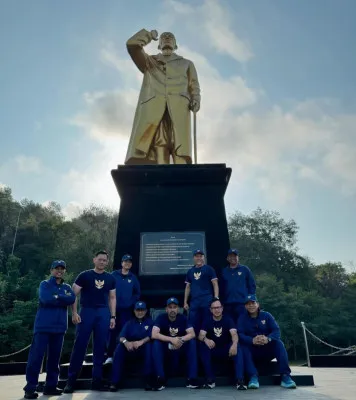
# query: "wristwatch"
{"type": "Point", "coordinates": [113, 317]}
{"type": "Point", "coordinates": [124, 341]}
{"type": "Point", "coordinates": [269, 339]}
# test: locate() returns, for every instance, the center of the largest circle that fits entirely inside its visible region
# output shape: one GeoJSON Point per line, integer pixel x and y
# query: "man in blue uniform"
{"type": "Point", "coordinates": [50, 326]}
{"type": "Point", "coordinates": [201, 284]}
{"type": "Point", "coordinates": [219, 341]}
{"type": "Point", "coordinates": [127, 294]}
{"type": "Point", "coordinates": [174, 338]}
{"type": "Point", "coordinates": [135, 344]}
{"type": "Point", "coordinates": [261, 339]}
{"type": "Point", "coordinates": [97, 290]}
{"type": "Point", "coordinates": [237, 283]}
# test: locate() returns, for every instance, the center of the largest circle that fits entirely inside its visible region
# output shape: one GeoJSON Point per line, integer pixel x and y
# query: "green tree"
{"type": "Point", "coordinates": [332, 278]}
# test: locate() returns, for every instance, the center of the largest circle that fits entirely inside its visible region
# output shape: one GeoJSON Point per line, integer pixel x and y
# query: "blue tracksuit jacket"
{"type": "Point", "coordinates": [52, 314]}
{"type": "Point", "coordinates": [127, 289]}
{"type": "Point", "coordinates": [237, 284]}
{"type": "Point", "coordinates": [263, 324]}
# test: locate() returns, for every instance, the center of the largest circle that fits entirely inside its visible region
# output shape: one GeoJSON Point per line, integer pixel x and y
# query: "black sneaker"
{"type": "Point", "coordinates": [240, 385]}
{"type": "Point", "coordinates": [160, 384]}
{"type": "Point", "coordinates": [30, 395]}
{"type": "Point", "coordinates": [52, 391]}
{"type": "Point", "coordinates": [193, 384]}
{"type": "Point", "coordinates": [113, 388]}
{"type": "Point", "coordinates": [69, 388]}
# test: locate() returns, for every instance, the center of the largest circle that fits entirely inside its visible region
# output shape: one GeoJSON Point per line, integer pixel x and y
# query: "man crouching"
{"type": "Point", "coordinates": [134, 344]}
{"type": "Point", "coordinates": [174, 339]}
{"type": "Point", "coordinates": [219, 342]}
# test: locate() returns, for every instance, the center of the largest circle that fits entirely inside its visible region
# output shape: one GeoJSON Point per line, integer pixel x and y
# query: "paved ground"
{"type": "Point", "coordinates": [330, 384]}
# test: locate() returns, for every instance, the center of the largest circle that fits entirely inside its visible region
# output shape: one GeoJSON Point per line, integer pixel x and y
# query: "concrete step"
{"type": "Point", "coordinates": [266, 368]}
{"type": "Point", "coordinates": [270, 376]}
{"type": "Point", "coordinates": [270, 368]}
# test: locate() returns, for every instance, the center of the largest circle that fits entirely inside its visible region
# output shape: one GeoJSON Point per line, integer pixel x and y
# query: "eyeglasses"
{"type": "Point", "coordinates": [216, 308]}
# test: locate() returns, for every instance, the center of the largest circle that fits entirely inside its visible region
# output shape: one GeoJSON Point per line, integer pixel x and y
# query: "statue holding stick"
{"type": "Point", "coordinates": [169, 92]}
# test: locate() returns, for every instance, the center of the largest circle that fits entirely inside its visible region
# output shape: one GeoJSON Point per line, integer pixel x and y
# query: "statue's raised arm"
{"type": "Point", "coordinates": [135, 47]}
{"type": "Point", "coordinates": [170, 90]}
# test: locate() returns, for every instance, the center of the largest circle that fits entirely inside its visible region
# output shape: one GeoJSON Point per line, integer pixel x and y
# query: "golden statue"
{"type": "Point", "coordinates": [170, 90]}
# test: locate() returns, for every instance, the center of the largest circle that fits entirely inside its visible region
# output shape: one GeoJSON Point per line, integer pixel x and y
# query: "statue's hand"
{"type": "Point", "coordinates": [154, 34]}
{"type": "Point", "coordinates": [194, 105]}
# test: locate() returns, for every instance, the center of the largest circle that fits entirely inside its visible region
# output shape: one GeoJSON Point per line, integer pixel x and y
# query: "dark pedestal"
{"type": "Point", "coordinates": [171, 198]}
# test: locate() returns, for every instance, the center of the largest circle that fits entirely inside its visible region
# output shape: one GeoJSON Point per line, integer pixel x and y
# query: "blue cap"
{"type": "Point", "coordinates": [251, 297]}
{"type": "Point", "coordinates": [58, 263]}
{"type": "Point", "coordinates": [198, 252]}
{"type": "Point", "coordinates": [172, 300]}
{"type": "Point", "coordinates": [233, 251]}
{"type": "Point", "coordinates": [126, 257]}
{"type": "Point", "coordinates": [140, 305]}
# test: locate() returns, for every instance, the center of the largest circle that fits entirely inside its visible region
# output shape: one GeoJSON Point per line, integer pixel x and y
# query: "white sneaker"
{"type": "Point", "coordinates": [108, 361]}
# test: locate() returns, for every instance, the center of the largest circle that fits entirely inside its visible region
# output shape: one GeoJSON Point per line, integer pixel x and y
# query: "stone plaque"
{"type": "Point", "coordinates": [169, 253]}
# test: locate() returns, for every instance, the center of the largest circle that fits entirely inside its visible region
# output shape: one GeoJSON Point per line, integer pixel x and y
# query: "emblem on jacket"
{"type": "Point", "coordinates": [146, 327]}
{"type": "Point", "coordinates": [239, 272]}
{"type": "Point", "coordinates": [173, 331]}
{"type": "Point", "coordinates": [263, 322]}
{"type": "Point", "coordinates": [129, 280]}
{"type": "Point", "coordinates": [218, 332]}
{"type": "Point", "coordinates": [99, 284]}
{"type": "Point", "coordinates": [197, 275]}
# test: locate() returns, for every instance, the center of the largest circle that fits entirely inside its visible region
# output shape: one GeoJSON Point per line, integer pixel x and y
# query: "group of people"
{"type": "Point", "coordinates": [224, 325]}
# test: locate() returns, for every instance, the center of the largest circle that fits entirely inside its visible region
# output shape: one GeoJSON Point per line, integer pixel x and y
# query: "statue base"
{"type": "Point", "coordinates": [170, 198]}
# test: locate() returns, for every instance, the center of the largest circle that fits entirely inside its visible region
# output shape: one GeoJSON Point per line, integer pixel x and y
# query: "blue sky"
{"type": "Point", "coordinates": [278, 103]}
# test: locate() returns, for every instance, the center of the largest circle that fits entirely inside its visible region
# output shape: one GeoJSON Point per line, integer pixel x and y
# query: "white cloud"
{"type": "Point", "coordinates": [16, 171]}
{"type": "Point", "coordinates": [2, 186]}
{"type": "Point", "coordinates": [28, 164]}
{"type": "Point", "coordinates": [212, 23]}
{"type": "Point", "coordinates": [340, 163]}
{"type": "Point", "coordinates": [107, 114]}
{"type": "Point", "coordinates": [218, 25]}
{"type": "Point", "coordinates": [72, 209]}
{"type": "Point", "coordinates": [123, 64]}
{"type": "Point", "coordinates": [219, 95]}
{"type": "Point", "coordinates": [94, 184]}
{"type": "Point", "coordinates": [277, 149]}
